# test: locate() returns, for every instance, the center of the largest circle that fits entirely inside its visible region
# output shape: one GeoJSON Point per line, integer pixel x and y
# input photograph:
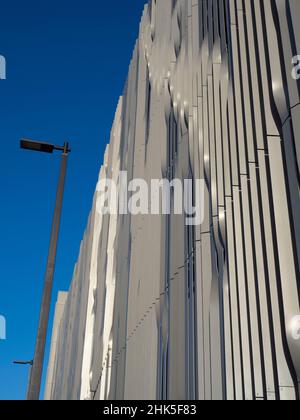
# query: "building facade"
{"type": "Point", "coordinates": [161, 310]}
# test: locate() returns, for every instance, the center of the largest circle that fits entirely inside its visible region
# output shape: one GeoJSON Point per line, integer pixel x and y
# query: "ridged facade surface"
{"type": "Point", "coordinates": [161, 310]}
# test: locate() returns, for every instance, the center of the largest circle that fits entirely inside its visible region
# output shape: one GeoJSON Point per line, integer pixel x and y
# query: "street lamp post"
{"type": "Point", "coordinates": [34, 386]}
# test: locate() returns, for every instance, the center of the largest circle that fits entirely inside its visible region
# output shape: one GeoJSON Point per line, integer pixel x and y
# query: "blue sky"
{"type": "Point", "coordinates": [67, 63]}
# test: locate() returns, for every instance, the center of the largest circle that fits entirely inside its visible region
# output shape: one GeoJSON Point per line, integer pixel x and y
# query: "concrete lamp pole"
{"type": "Point", "coordinates": [36, 372]}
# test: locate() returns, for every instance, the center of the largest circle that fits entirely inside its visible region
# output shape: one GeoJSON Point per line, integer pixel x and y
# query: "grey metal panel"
{"type": "Point", "coordinates": [254, 327]}
{"type": "Point", "coordinates": [234, 304]}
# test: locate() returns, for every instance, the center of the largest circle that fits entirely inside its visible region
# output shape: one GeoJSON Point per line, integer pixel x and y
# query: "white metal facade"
{"type": "Point", "coordinates": [160, 310]}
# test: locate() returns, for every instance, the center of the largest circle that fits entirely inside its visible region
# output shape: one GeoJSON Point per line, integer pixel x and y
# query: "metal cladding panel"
{"type": "Point", "coordinates": [161, 310]}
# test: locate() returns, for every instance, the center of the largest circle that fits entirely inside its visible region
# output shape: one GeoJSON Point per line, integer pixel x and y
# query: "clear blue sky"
{"type": "Point", "coordinates": [67, 63]}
